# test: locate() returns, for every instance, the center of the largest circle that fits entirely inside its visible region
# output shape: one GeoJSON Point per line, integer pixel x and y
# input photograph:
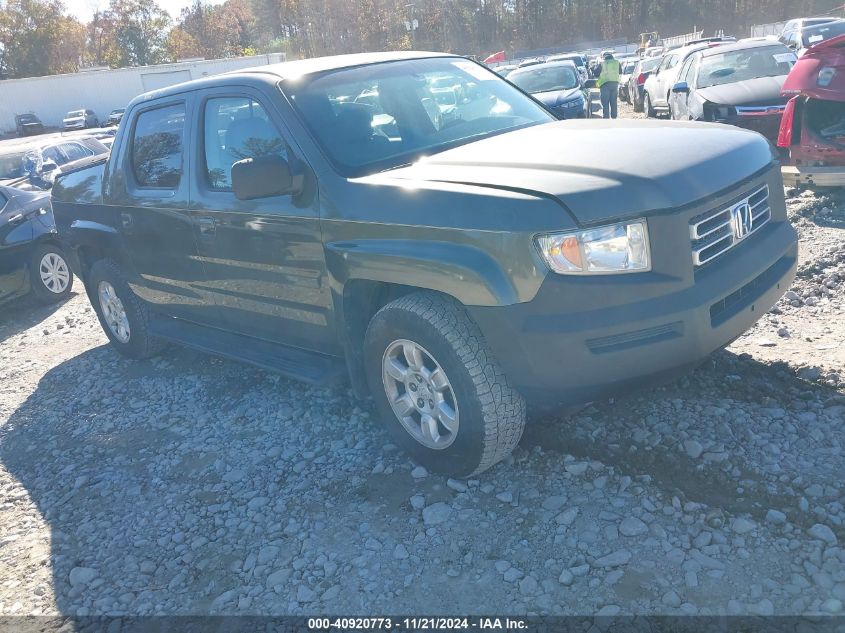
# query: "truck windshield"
{"type": "Point", "coordinates": [380, 116]}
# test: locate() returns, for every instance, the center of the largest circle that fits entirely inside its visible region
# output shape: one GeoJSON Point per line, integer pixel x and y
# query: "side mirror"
{"type": "Point", "coordinates": [261, 177]}
{"type": "Point", "coordinates": [48, 166]}
{"type": "Point", "coordinates": [590, 83]}
{"type": "Point", "coordinates": [681, 86]}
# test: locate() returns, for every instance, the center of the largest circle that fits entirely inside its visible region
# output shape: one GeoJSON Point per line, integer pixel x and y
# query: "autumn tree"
{"type": "Point", "coordinates": [135, 33]}
{"type": "Point", "coordinates": [37, 38]}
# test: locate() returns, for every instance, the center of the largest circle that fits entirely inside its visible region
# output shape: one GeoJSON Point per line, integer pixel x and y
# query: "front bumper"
{"type": "Point", "coordinates": [76, 125]}
{"type": "Point", "coordinates": [793, 176]}
{"type": "Point", "coordinates": [582, 338]}
{"type": "Point", "coordinates": [767, 125]}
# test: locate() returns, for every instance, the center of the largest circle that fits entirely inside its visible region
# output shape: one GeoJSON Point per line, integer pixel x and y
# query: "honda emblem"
{"type": "Point", "coordinates": [741, 220]}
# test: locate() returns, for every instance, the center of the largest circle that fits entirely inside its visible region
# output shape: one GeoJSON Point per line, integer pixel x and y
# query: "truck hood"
{"type": "Point", "coordinates": [603, 170]}
{"type": "Point", "coordinates": [751, 92]}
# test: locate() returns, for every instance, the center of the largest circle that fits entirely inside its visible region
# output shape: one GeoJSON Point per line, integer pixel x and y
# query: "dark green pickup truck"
{"type": "Point", "coordinates": [457, 257]}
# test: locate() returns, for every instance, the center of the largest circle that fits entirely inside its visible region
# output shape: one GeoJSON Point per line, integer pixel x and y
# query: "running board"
{"type": "Point", "coordinates": [311, 367]}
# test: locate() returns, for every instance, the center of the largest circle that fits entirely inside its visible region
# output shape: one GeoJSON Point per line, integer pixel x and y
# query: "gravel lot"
{"type": "Point", "coordinates": [190, 485]}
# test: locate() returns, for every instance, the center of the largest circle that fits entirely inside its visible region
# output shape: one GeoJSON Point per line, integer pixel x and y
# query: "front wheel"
{"type": "Point", "coordinates": [122, 315]}
{"type": "Point", "coordinates": [439, 391]}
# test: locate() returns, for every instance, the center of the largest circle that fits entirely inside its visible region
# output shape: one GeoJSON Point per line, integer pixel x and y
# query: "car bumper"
{"type": "Point", "coordinates": [568, 346]}
{"type": "Point", "coordinates": [75, 126]}
{"type": "Point", "coordinates": [813, 176]}
{"type": "Point", "coordinates": [768, 125]}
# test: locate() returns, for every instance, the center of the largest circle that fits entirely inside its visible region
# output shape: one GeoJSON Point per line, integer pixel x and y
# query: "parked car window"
{"type": "Point", "coordinates": [670, 61]}
{"type": "Point", "coordinates": [237, 128]}
{"type": "Point", "coordinates": [75, 151]}
{"type": "Point", "coordinates": [52, 153]}
{"type": "Point", "coordinates": [11, 165]}
{"type": "Point", "coordinates": [157, 147]}
{"type": "Point", "coordinates": [545, 78]}
{"type": "Point", "coordinates": [741, 65]}
{"type": "Point", "coordinates": [384, 115]}
{"type": "Point", "coordinates": [688, 71]}
{"type": "Point", "coordinates": [816, 34]}
{"type": "Point", "coordinates": [75, 113]}
{"type": "Point", "coordinates": [3, 200]}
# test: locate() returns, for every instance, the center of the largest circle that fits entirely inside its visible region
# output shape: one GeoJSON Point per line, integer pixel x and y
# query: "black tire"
{"type": "Point", "coordinates": [638, 105]}
{"type": "Point", "coordinates": [140, 343]}
{"type": "Point", "coordinates": [649, 110]}
{"type": "Point", "coordinates": [491, 413]}
{"type": "Point", "coordinates": [55, 291]}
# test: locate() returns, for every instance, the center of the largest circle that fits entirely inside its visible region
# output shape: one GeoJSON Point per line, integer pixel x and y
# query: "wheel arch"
{"type": "Point", "coordinates": [358, 302]}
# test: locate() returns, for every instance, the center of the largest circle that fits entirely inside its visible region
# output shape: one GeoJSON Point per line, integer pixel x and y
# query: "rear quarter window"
{"type": "Point", "coordinates": [156, 153]}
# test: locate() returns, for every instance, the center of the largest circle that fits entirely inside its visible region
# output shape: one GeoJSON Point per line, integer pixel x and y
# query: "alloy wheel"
{"type": "Point", "coordinates": [113, 312]}
{"type": "Point", "coordinates": [420, 394]}
{"type": "Point", "coordinates": [54, 273]}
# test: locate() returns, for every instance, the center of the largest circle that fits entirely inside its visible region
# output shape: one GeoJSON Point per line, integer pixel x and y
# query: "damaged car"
{"type": "Point", "coordinates": [812, 130]}
{"type": "Point", "coordinates": [738, 84]}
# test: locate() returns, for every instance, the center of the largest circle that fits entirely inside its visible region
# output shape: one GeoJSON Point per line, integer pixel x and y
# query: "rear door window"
{"type": "Point", "coordinates": [156, 155]}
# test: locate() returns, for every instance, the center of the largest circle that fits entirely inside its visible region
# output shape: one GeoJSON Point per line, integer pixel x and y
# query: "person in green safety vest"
{"type": "Point", "coordinates": [608, 84]}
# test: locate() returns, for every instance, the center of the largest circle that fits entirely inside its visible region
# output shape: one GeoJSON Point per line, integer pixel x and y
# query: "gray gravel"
{"type": "Point", "coordinates": [188, 484]}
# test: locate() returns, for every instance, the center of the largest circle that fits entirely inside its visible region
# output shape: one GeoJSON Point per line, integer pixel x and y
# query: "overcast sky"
{"type": "Point", "coordinates": [84, 9]}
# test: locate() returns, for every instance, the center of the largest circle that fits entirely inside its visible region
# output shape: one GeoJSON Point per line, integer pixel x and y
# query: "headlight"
{"type": "Point", "coordinates": [573, 102]}
{"type": "Point", "coordinates": [713, 112]}
{"type": "Point", "coordinates": [618, 248]}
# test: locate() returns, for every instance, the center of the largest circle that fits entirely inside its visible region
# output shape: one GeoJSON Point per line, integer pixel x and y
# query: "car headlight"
{"type": "Point", "coordinates": [573, 102]}
{"type": "Point", "coordinates": [617, 248]}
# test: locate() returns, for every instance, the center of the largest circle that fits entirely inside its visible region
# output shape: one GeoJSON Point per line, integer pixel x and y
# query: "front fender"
{"type": "Point", "coordinates": [463, 271]}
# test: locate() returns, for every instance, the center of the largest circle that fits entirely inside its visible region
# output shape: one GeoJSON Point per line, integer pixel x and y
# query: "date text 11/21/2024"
{"type": "Point", "coordinates": [417, 623]}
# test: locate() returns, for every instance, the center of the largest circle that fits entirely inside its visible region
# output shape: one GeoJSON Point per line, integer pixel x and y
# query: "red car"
{"type": "Point", "coordinates": [813, 126]}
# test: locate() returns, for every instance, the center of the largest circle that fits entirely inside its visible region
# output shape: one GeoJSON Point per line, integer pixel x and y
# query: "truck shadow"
{"type": "Point", "coordinates": [24, 313]}
{"type": "Point", "coordinates": [173, 483]}
{"type": "Point", "coordinates": [734, 409]}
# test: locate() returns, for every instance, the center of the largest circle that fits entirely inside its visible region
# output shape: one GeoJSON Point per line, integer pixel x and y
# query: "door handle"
{"type": "Point", "coordinates": [207, 225]}
{"type": "Point", "coordinates": [126, 220]}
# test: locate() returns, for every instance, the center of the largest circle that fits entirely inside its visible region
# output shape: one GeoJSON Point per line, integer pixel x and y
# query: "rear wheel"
{"type": "Point", "coordinates": [50, 275]}
{"type": "Point", "coordinates": [638, 104]}
{"type": "Point", "coordinates": [650, 112]}
{"type": "Point", "coordinates": [123, 316]}
{"type": "Point", "coordinates": [439, 391]}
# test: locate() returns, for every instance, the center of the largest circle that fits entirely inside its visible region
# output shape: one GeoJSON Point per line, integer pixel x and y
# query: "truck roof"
{"type": "Point", "coordinates": [286, 70]}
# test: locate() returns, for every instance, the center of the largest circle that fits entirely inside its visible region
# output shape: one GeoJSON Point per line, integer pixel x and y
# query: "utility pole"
{"type": "Point", "coordinates": [411, 24]}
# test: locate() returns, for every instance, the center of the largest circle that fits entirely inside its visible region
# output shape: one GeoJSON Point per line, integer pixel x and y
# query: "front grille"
{"type": "Point", "coordinates": [714, 232]}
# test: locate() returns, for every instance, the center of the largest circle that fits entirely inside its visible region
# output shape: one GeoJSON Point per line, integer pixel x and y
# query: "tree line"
{"type": "Point", "coordinates": [39, 37]}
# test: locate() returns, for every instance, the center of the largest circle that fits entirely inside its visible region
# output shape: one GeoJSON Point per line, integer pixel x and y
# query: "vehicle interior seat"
{"type": "Point", "coordinates": [356, 134]}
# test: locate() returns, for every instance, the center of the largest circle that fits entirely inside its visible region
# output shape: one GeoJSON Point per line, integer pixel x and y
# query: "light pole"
{"type": "Point", "coordinates": [411, 24]}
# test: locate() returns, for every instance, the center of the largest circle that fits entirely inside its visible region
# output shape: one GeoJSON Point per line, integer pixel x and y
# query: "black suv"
{"type": "Point", "coordinates": [28, 124]}
{"type": "Point", "coordinates": [322, 217]}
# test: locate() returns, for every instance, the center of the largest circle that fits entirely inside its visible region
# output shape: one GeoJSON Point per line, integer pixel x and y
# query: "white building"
{"type": "Point", "coordinates": [104, 90]}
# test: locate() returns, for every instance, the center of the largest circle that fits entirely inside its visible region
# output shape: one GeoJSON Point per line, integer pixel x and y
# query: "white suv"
{"type": "Point", "coordinates": [659, 84]}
